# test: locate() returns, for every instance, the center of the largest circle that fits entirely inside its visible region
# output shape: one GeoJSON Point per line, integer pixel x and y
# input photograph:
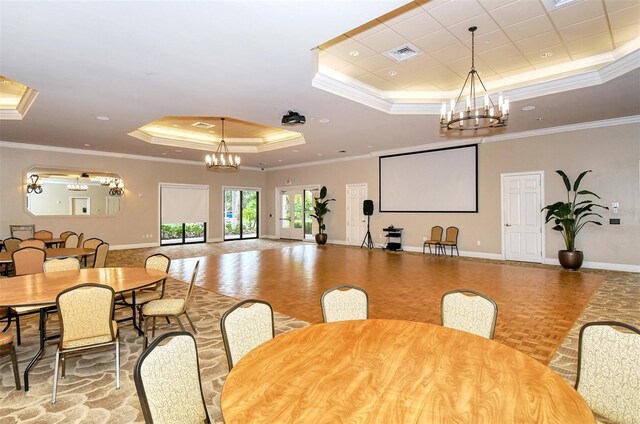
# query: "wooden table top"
{"type": "Point", "coordinates": [61, 252]}
{"type": "Point", "coordinates": [42, 289]}
{"type": "Point", "coordinates": [388, 371]}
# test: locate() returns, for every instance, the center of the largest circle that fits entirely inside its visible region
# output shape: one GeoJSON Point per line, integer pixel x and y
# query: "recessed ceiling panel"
{"type": "Point", "coordinates": [15, 98]}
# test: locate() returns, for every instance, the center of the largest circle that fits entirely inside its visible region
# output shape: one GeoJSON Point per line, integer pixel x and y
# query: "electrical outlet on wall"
{"type": "Point", "coordinates": [478, 242]}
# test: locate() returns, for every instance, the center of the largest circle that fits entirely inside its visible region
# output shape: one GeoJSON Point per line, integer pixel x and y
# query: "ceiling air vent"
{"type": "Point", "coordinates": [552, 5]}
{"type": "Point", "coordinates": [404, 52]}
{"type": "Point", "coordinates": [202, 125]}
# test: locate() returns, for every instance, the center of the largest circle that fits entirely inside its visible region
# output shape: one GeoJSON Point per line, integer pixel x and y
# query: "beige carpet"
{"type": "Point", "coordinates": [88, 394]}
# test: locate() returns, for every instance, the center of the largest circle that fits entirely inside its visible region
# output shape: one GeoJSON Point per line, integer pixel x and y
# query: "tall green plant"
{"type": "Point", "coordinates": [320, 208]}
{"type": "Point", "coordinates": [571, 216]}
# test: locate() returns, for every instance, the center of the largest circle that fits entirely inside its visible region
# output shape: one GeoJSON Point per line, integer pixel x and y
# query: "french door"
{"type": "Point", "coordinates": [241, 214]}
{"type": "Point", "coordinates": [292, 217]}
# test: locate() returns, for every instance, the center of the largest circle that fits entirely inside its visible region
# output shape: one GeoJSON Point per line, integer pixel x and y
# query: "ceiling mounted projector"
{"type": "Point", "coordinates": [293, 118]}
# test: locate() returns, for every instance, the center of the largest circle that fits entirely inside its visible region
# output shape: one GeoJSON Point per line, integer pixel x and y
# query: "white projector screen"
{"type": "Point", "coordinates": [443, 180]}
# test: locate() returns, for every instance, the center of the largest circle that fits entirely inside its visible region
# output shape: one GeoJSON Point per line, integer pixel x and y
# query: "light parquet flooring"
{"type": "Point", "coordinates": [537, 305]}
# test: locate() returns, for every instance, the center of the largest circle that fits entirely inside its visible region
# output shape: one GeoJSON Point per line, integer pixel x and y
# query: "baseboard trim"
{"type": "Point", "coordinates": [133, 246]}
{"type": "Point", "coordinates": [600, 265]}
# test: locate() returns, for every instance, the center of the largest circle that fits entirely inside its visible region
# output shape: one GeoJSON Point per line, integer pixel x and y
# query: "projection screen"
{"type": "Point", "coordinates": [443, 180]}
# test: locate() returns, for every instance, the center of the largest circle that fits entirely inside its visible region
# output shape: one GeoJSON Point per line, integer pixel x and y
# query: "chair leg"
{"type": "Point", "coordinates": [18, 329]}
{"type": "Point", "coordinates": [63, 360]}
{"type": "Point", "coordinates": [55, 377]}
{"type": "Point", "coordinates": [457, 251]}
{"type": "Point", "coordinates": [145, 333]}
{"type": "Point", "coordinates": [14, 361]}
{"type": "Point", "coordinates": [191, 322]}
{"type": "Point", "coordinates": [430, 249]}
{"type": "Point", "coordinates": [117, 362]}
{"type": "Point", "coordinates": [179, 322]}
{"type": "Point", "coordinates": [153, 329]}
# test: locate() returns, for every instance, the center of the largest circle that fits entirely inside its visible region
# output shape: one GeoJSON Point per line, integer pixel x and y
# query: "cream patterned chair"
{"type": "Point", "coordinates": [344, 303]}
{"type": "Point", "coordinates": [43, 235]}
{"type": "Point", "coordinates": [167, 377]}
{"type": "Point", "coordinates": [71, 241]}
{"type": "Point", "coordinates": [61, 264]}
{"type": "Point", "coordinates": [100, 257]}
{"type": "Point", "coordinates": [244, 327]}
{"type": "Point", "coordinates": [28, 260]}
{"type": "Point", "coordinates": [86, 321]}
{"type": "Point", "coordinates": [80, 240]}
{"type": "Point", "coordinates": [165, 308]}
{"type": "Point", "coordinates": [609, 370]}
{"type": "Point", "coordinates": [470, 311]}
{"type": "Point", "coordinates": [32, 242]}
{"type": "Point", "coordinates": [92, 244]}
{"type": "Point", "coordinates": [12, 244]}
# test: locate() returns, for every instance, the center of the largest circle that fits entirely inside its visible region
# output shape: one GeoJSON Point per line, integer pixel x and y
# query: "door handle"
{"type": "Point", "coordinates": [285, 219]}
{"type": "Point", "coordinates": [507, 225]}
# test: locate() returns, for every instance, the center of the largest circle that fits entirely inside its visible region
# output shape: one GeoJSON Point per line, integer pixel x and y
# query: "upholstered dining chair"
{"type": "Point", "coordinates": [100, 257]}
{"type": "Point", "coordinates": [71, 241]}
{"type": "Point", "coordinates": [91, 243]}
{"type": "Point", "coordinates": [167, 378]}
{"type": "Point", "coordinates": [344, 303]}
{"type": "Point", "coordinates": [33, 242]}
{"type": "Point", "coordinates": [159, 262]}
{"type": "Point", "coordinates": [6, 343]}
{"type": "Point", "coordinates": [244, 327]}
{"type": "Point", "coordinates": [22, 231]}
{"type": "Point", "coordinates": [43, 235]}
{"type": "Point", "coordinates": [80, 240]}
{"type": "Point", "coordinates": [469, 311]}
{"type": "Point", "coordinates": [451, 240]}
{"type": "Point", "coordinates": [165, 308]}
{"type": "Point", "coordinates": [86, 321]}
{"type": "Point", "coordinates": [434, 239]}
{"type": "Point", "coordinates": [65, 234]}
{"type": "Point", "coordinates": [28, 260]}
{"type": "Point", "coordinates": [61, 264]}
{"type": "Point", "coordinates": [12, 244]}
{"type": "Point", "coordinates": [609, 370]}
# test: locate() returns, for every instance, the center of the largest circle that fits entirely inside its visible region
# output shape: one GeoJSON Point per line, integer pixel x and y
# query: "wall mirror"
{"type": "Point", "coordinates": [55, 191]}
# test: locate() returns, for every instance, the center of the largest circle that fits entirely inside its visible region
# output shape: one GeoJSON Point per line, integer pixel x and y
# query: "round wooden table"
{"type": "Point", "coordinates": [58, 252]}
{"type": "Point", "coordinates": [387, 371]}
{"type": "Point", "coordinates": [42, 290]}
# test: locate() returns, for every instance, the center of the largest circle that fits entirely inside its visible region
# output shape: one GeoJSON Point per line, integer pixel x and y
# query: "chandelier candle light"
{"type": "Point", "coordinates": [116, 187]}
{"type": "Point", "coordinates": [472, 116]}
{"type": "Point", "coordinates": [33, 186]}
{"type": "Point", "coordinates": [222, 160]}
{"type": "Point", "coordinates": [76, 186]}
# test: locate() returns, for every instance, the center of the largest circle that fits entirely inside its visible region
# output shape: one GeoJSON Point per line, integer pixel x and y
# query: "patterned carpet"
{"type": "Point", "coordinates": [88, 394]}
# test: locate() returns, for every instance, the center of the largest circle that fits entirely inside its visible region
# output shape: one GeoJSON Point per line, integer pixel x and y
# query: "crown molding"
{"type": "Point", "coordinates": [541, 83]}
{"type": "Point", "coordinates": [318, 162]}
{"type": "Point", "coordinates": [74, 151]}
{"type": "Point", "coordinates": [21, 110]}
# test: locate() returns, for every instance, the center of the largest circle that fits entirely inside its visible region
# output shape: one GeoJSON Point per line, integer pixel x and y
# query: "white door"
{"type": "Point", "coordinates": [521, 204]}
{"type": "Point", "coordinates": [291, 215]}
{"type": "Point", "coordinates": [80, 205]}
{"type": "Point", "coordinates": [113, 205]}
{"type": "Point", "coordinates": [356, 220]}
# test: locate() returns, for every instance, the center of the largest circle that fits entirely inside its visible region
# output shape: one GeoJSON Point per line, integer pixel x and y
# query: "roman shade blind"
{"type": "Point", "coordinates": [184, 204]}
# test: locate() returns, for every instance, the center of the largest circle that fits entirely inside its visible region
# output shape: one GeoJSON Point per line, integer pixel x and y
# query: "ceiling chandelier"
{"type": "Point", "coordinates": [105, 181]}
{"type": "Point", "coordinates": [33, 186]}
{"type": "Point", "coordinates": [116, 187]}
{"type": "Point", "coordinates": [222, 160]}
{"type": "Point", "coordinates": [472, 116]}
{"type": "Point", "coordinates": [76, 186]}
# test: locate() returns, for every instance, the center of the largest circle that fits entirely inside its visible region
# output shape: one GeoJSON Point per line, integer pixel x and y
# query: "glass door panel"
{"type": "Point", "coordinates": [241, 214]}
{"type": "Point", "coordinates": [308, 211]}
{"type": "Point", "coordinates": [183, 233]}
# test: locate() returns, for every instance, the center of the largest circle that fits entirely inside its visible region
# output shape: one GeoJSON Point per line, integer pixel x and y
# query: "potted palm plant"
{"type": "Point", "coordinates": [570, 217]}
{"type": "Point", "coordinates": [320, 208]}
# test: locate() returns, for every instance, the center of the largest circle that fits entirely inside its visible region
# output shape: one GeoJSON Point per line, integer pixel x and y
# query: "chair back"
{"type": "Point", "coordinates": [43, 235]}
{"type": "Point", "coordinates": [91, 243]}
{"type": "Point", "coordinates": [161, 263]}
{"type": "Point", "coordinates": [609, 370]}
{"type": "Point", "coordinates": [80, 240]}
{"type": "Point", "coordinates": [28, 260]}
{"type": "Point", "coordinates": [436, 233]}
{"type": "Point", "coordinates": [61, 264]}
{"type": "Point", "coordinates": [167, 377]}
{"type": "Point", "coordinates": [100, 257]}
{"type": "Point", "coordinates": [22, 231]}
{"type": "Point", "coordinates": [194, 275]}
{"type": "Point", "coordinates": [85, 312]}
{"type": "Point", "coordinates": [452, 235]}
{"type": "Point", "coordinates": [66, 234]}
{"type": "Point", "coordinates": [470, 311]}
{"type": "Point", "coordinates": [12, 244]}
{"type": "Point", "coordinates": [344, 303]}
{"type": "Point", "coordinates": [71, 241]}
{"type": "Point", "coordinates": [33, 242]}
{"type": "Point", "coordinates": [244, 327]}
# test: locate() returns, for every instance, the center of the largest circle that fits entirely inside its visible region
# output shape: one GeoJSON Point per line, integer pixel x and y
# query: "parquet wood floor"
{"type": "Point", "coordinates": [537, 305]}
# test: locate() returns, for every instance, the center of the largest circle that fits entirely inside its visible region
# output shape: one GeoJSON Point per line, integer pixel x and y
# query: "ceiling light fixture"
{"type": "Point", "coordinates": [528, 108]}
{"type": "Point", "coordinates": [102, 118]}
{"type": "Point", "coordinates": [222, 160]}
{"type": "Point", "coordinates": [116, 187]}
{"type": "Point", "coordinates": [472, 116]}
{"type": "Point", "coordinates": [392, 73]}
{"type": "Point", "coordinates": [32, 184]}
{"type": "Point", "coordinates": [354, 53]}
{"type": "Point", "coordinates": [76, 186]}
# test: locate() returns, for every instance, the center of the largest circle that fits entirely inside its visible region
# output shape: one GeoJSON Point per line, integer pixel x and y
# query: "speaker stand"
{"type": "Point", "coordinates": [367, 238]}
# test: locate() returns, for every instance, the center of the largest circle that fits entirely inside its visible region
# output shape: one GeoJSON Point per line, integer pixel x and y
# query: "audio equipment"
{"type": "Point", "coordinates": [367, 207]}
